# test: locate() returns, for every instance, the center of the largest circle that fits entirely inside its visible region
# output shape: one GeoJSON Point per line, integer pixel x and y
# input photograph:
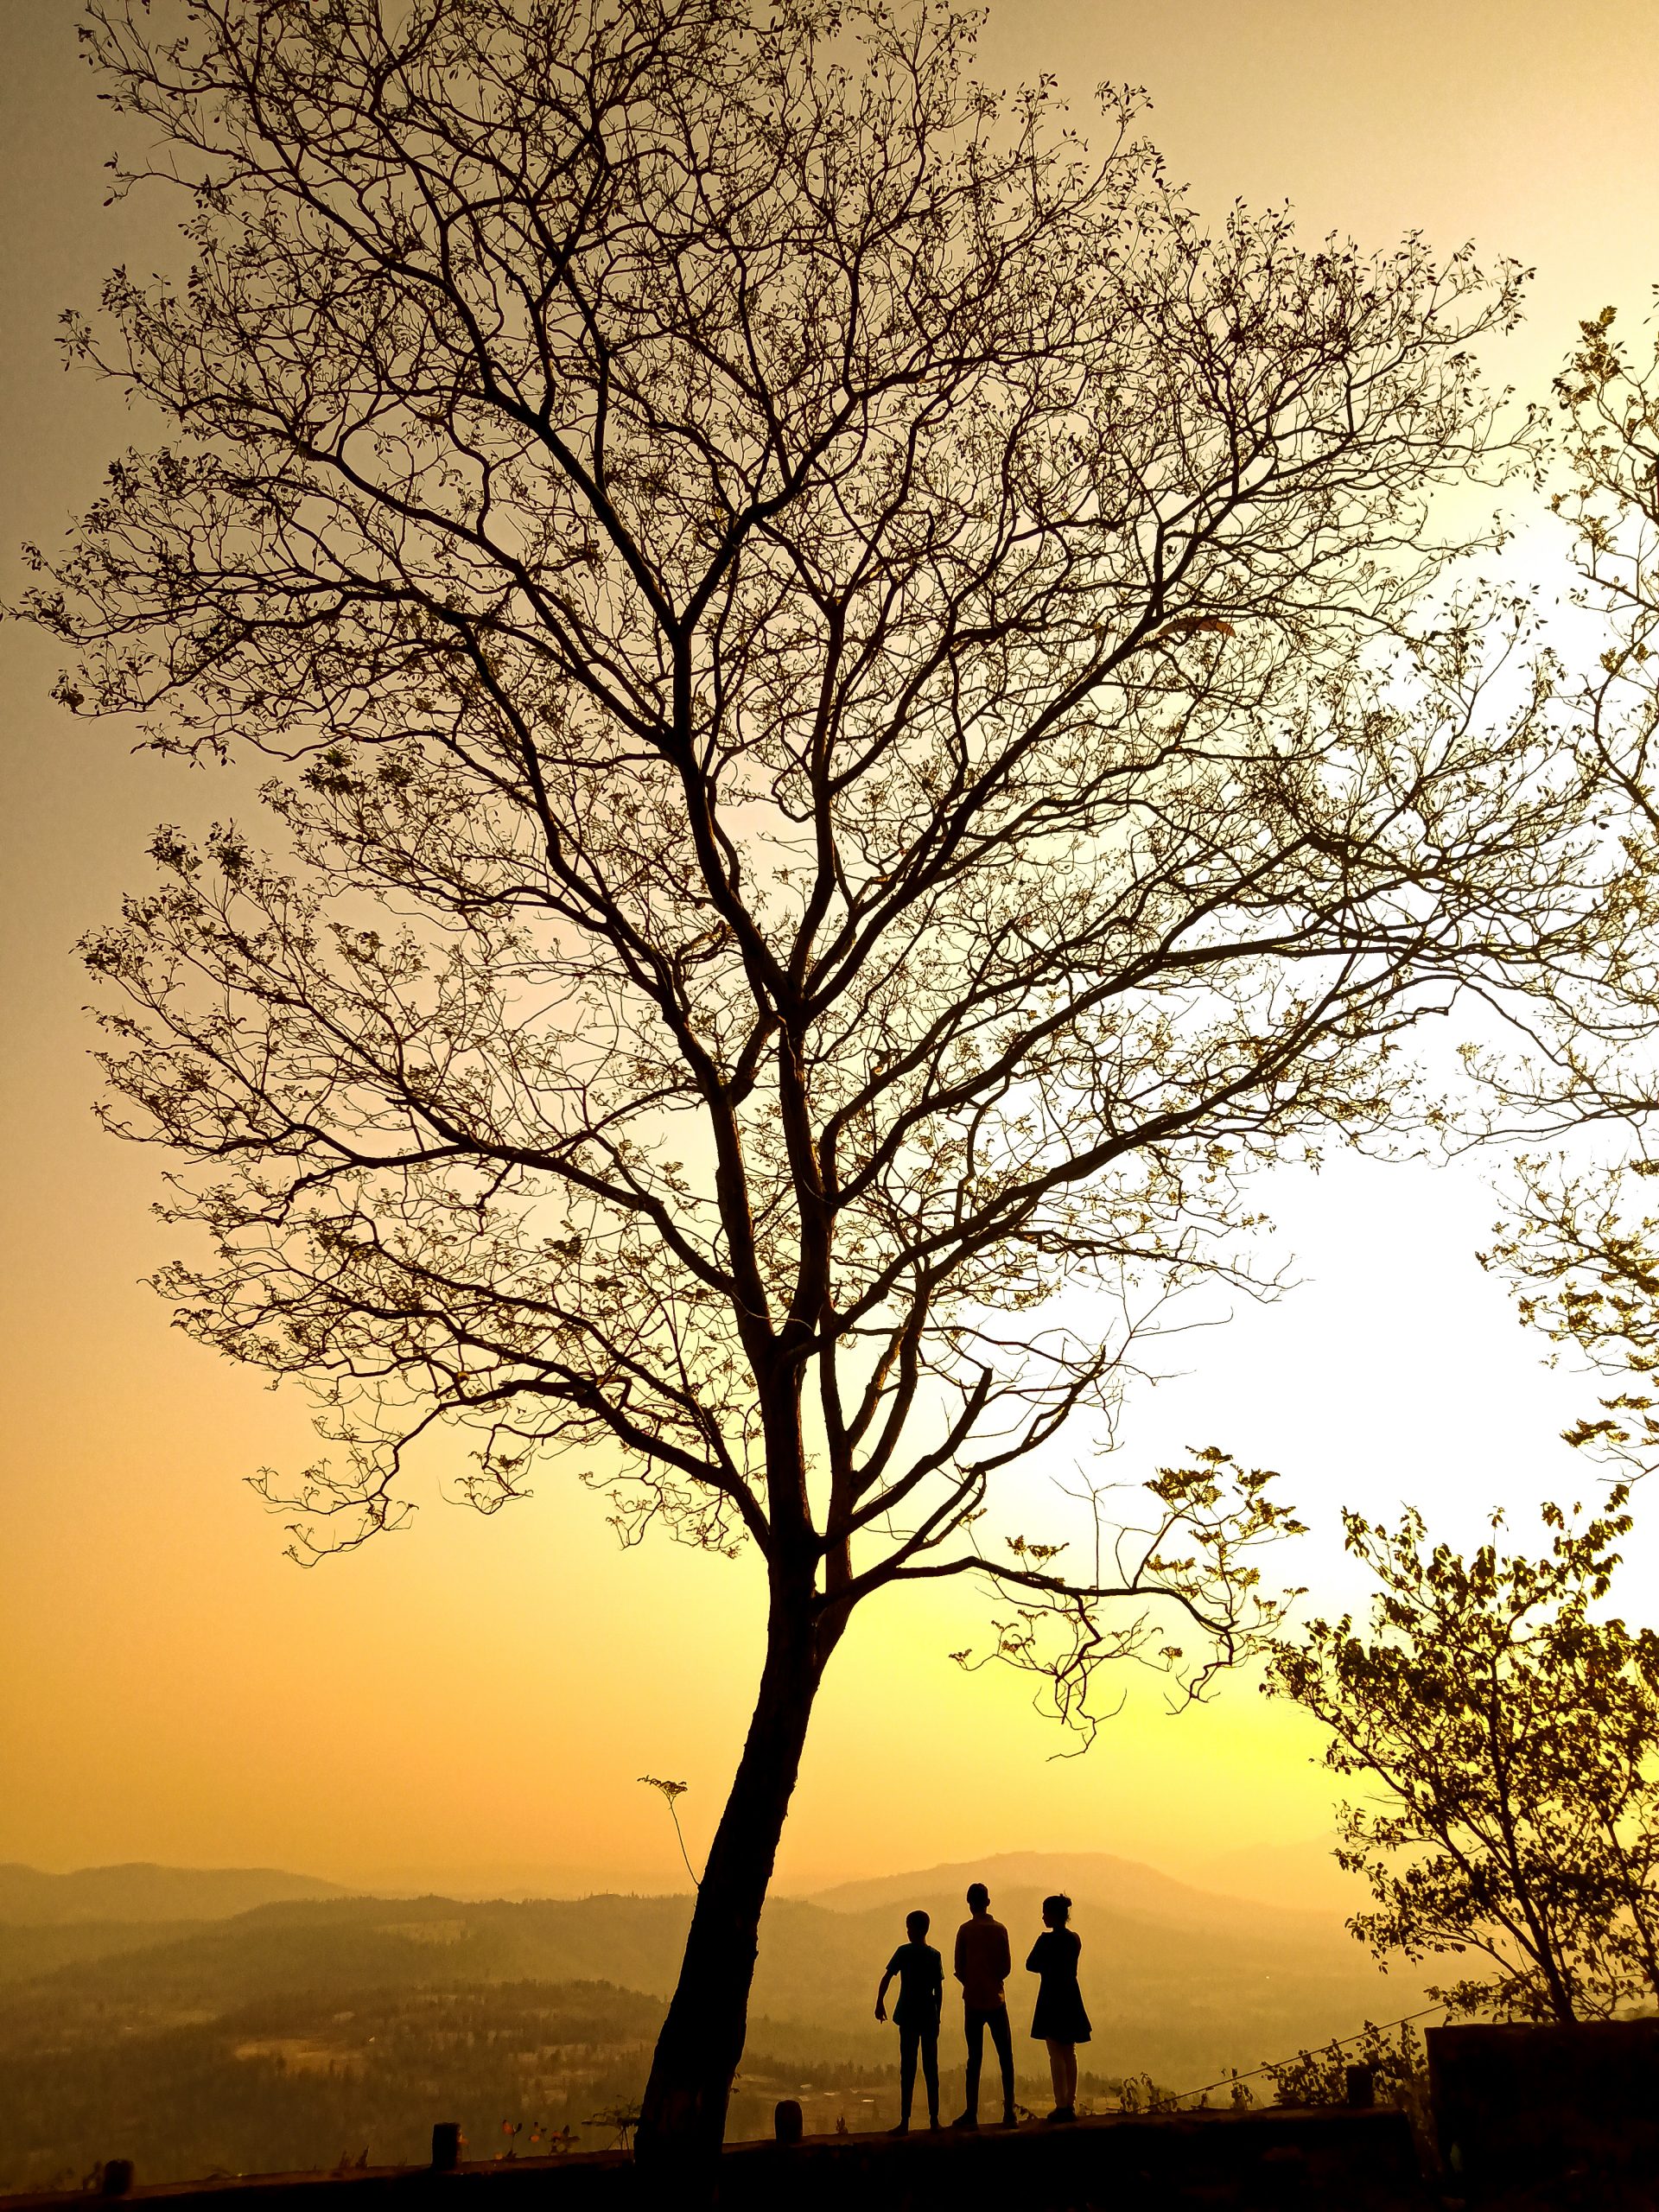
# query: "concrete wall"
{"type": "Point", "coordinates": [1526, 2109]}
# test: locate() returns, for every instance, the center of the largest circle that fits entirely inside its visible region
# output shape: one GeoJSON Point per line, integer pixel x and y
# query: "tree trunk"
{"type": "Point", "coordinates": [683, 2119]}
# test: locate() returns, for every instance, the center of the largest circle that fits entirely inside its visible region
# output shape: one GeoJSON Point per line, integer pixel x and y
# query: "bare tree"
{"type": "Point", "coordinates": [857, 757]}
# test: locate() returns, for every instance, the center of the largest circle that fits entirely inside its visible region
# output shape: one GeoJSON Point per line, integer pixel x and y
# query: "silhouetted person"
{"type": "Point", "coordinates": [982, 1964]}
{"type": "Point", "coordinates": [1059, 2020]}
{"type": "Point", "coordinates": [921, 1994]}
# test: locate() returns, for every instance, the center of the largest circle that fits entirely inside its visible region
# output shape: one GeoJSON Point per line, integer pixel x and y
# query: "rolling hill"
{"type": "Point", "coordinates": [1180, 1981]}
{"type": "Point", "coordinates": [1122, 1885]}
{"type": "Point", "coordinates": [141, 1893]}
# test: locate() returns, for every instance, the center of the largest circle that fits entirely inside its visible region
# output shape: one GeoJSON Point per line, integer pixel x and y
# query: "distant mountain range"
{"type": "Point", "coordinates": [1301, 1877]}
{"type": "Point", "coordinates": [1180, 1981]}
{"type": "Point", "coordinates": [1122, 1885]}
{"type": "Point", "coordinates": [142, 1893]}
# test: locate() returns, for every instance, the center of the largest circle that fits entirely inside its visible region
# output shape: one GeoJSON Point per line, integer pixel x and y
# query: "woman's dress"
{"type": "Point", "coordinates": [1059, 2016]}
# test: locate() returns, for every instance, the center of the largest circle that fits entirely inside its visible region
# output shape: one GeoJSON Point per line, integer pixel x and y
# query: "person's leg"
{"type": "Point", "coordinates": [1002, 2037]}
{"type": "Point", "coordinates": [931, 2073]}
{"type": "Point", "coordinates": [1057, 2072]}
{"type": "Point", "coordinates": [1071, 2077]}
{"type": "Point", "coordinates": [906, 2071]}
{"type": "Point", "coordinates": [973, 2026]}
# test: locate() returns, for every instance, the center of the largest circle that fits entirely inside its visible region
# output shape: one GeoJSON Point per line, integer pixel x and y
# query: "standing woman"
{"type": "Point", "coordinates": [1060, 2020]}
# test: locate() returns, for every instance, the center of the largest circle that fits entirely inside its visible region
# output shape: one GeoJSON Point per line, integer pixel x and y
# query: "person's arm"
{"type": "Point", "coordinates": [956, 1964]}
{"type": "Point", "coordinates": [1005, 1964]}
{"type": "Point", "coordinates": [938, 1990]}
{"type": "Point", "coordinates": [881, 1993]}
{"type": "Point", "coordinates": [1035, 1963]}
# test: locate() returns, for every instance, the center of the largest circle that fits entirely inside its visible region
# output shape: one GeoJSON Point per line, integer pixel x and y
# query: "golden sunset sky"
{"type": "Point", "coordinates": [470, 1704]}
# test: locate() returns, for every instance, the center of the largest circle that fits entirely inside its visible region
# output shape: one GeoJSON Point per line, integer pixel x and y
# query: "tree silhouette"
{"type": "Point", "coordinates": [1513, 1730]}
{"type": "Point", "coordinates": [855, 752]}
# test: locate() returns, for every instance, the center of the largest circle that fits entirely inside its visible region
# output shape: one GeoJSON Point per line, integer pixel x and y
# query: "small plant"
{"type": "Point", "coordinates": [671, 1790]}
{"type": "Point", "coordinates": [1398, 2066]}
{"type": "Point", "coordinates": [622, 2119]}
{"type": "Point", "coordinates": [1139, 2093]}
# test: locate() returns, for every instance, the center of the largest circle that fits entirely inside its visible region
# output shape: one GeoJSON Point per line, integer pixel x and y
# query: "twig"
{"type": "Point", "coordinates": [671, 1790]}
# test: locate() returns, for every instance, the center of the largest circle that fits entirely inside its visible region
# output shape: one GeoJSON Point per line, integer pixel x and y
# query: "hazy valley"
{"type": "Point", "coordinates": [251, 2021]}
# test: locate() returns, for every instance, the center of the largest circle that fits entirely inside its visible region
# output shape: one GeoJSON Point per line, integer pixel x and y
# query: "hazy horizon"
{"type": "Point", "coordinates": [1299, 1875]}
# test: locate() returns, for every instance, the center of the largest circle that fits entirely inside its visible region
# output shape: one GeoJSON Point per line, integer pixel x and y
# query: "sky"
{"type": "Point", "coordinates": [470, 1705]}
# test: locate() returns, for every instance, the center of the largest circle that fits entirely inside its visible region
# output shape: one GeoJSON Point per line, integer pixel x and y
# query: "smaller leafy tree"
{"type": "Point", "coordinates": [1506, 1734]}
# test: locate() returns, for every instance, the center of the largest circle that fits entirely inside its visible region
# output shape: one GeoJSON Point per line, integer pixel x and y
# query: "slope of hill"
{"type": "Point", "coordinates": [141, 1893]}
{"type": "Point", "coordinates": [28, 1951]}
{"type": "Point", "coordinates": [1120, 1886]}
{"type": "Point", "coordinates": [1303, 1874]}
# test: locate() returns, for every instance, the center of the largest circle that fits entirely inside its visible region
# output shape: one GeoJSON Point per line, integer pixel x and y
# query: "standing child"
{"type": "Point", "coordinates": [921, 1992]}
{"type": "Point", "coordinates": [1060, 2020]}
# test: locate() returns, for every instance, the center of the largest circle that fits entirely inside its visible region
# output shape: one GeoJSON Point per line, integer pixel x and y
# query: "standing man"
{"type": "Point", "coordinates": [921, 1997]}
{"type": "Point", "coordinates": [982, 1965]}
